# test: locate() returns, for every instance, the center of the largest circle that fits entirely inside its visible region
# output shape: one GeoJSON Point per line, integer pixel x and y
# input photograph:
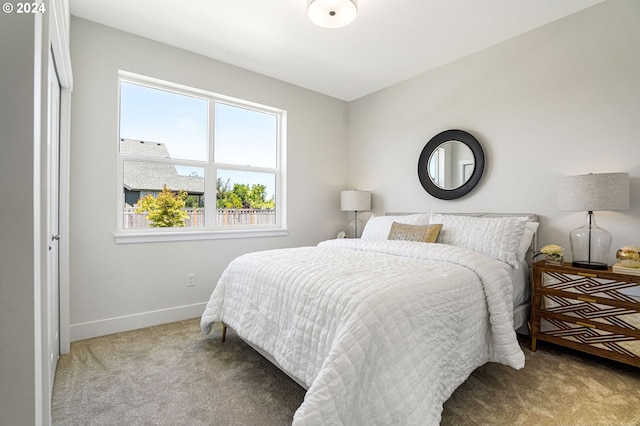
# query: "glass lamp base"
{"type": "Point", "coordinates": [590, 245]}
{"type": "Point", "coordinates": [355, 227]}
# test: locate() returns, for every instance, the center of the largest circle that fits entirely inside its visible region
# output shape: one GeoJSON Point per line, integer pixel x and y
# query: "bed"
{"type": "Point", "coordinates": [383, 329]}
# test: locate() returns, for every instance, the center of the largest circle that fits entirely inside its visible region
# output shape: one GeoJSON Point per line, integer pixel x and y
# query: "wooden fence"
{"type": "Point", "coordinates": [224, 217]}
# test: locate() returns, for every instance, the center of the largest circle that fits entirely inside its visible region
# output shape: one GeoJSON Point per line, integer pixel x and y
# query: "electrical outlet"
{"type": "Point", "coordinates": [191, 280]}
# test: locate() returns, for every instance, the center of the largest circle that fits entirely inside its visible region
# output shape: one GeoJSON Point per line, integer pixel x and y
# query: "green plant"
{"type": "Point", "coordinates": [164, 211]}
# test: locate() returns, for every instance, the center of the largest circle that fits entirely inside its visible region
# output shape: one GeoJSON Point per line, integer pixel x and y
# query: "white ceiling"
{"type": "Point", "coordinates": [390, 40]}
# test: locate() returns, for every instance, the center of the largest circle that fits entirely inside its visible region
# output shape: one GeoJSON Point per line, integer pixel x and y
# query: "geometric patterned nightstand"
{"type": "Point", "coordinates": [588, 310]}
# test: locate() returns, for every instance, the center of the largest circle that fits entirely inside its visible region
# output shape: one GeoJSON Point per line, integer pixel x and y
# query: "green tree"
{"type": "Point", "coordinates": [192, 201]}
{"type": "Point", "coordinates": [242, 196]}
{"type": "Point", "coordinates": [164, 211]}
{"type": "Point", "coordinates": [257, 197]}
{"type": "Point", "coordinates": [225, 198]}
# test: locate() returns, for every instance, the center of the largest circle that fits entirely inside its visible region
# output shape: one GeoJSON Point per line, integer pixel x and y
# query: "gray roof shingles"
{"type": "Point", "coordinates": [150, 176]}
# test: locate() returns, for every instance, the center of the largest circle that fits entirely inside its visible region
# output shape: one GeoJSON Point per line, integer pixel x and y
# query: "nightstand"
{"type": "Point", "coordinates": [592, 311]}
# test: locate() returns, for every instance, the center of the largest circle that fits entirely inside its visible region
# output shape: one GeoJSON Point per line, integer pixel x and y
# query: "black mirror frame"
{"type": "Point", "coordinates": [432, 145]}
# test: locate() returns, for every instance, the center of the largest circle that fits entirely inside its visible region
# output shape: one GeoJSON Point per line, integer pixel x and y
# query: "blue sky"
{"type": "Point", "coordinates": [243, 136]}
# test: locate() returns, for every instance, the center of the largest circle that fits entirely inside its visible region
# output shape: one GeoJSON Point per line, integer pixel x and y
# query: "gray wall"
{"type": "Point", "coordinates": [17, 336]}
{"type": "Point", "coordinates": [120, 286]}
{"type": "Point", "coordinates": [560, 100]}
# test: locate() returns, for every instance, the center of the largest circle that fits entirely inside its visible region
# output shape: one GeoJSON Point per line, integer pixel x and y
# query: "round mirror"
{"type": "Point", "coordinates": [451, 164]}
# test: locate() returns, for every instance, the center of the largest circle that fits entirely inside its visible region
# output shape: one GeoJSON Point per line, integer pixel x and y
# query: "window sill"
{"type": "Point", "coordinates": [168, 236]}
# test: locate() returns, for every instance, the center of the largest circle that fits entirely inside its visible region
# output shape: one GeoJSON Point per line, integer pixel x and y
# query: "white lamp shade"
{"type": "Point", "coordinates": [332, 13]}
{"type": "Point", "coordinates": [594, 192]}
{"type": "Point", "coordinates": [355, 201]}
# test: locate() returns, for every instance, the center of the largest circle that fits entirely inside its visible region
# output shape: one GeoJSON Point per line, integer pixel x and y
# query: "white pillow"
{"type": "Point", "coordinates": [378, 227]}
{"type": "Point", "coordinates": [496, 237]}
{"type": "Point", "coordinates": [530, 229]}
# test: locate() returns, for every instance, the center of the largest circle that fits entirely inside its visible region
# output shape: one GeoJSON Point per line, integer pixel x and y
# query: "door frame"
{"type": "Point", "coordinates": [59, 36]}
{"type": "Point", "coordinates": [51, 37]}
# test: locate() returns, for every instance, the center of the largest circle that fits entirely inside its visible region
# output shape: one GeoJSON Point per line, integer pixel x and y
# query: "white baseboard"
{"type": "Point", "coordinates": [91, 329]}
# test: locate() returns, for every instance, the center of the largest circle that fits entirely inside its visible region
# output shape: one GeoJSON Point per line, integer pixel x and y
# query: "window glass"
{"type": "Point", "coordinates": [176, 121]}
{"type": "Point", "coordinates": [244, 136]}
{"type": "Point", "coordinates": [245, 198]}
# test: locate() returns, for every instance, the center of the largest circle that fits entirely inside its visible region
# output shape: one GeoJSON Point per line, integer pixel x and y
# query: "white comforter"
{"type": "Point", "coordinates": [382, 332]}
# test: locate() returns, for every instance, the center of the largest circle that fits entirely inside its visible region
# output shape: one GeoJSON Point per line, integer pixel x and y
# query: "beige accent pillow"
{"type": "Point", "coordinates": [419, 233]}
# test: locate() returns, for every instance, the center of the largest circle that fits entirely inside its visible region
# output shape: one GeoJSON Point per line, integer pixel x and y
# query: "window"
{"type": "Point", "coordinates": [193, 164]}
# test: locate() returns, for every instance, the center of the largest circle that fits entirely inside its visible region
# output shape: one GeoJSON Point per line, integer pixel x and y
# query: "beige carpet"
{"type": "Point", "coordinates": [174, 375]}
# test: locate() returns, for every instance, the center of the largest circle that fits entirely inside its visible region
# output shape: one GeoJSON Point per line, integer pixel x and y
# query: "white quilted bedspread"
{"type": "Point", "coordinates": [382, 332]}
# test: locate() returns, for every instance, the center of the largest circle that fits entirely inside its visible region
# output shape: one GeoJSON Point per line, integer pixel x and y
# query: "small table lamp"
{"type": "Point", "coordinates": [355, 201]}
{"type": "Point", "coordinates": [590, 244]}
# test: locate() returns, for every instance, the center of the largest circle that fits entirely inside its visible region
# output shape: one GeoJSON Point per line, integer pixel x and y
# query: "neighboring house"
{"type": "Point", "coordinates": [142, 178]}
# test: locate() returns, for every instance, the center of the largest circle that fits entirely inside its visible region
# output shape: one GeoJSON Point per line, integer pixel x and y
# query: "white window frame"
{"type": "Point", "coordinates": [209, 232]}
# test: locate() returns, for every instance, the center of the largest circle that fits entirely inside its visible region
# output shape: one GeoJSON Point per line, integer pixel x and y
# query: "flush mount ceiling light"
{"type": "Point", "coordinates": [332, 13]}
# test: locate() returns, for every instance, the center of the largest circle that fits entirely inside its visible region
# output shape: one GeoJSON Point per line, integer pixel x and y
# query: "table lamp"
{"type": "Point", "coordinates": [590, 244]}
{"type": "Point", "coordinates": [355, 201]}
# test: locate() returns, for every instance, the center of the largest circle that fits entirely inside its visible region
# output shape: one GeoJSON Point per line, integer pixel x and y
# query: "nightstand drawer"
{"type": "Point", "coordinates": [586, 308]}
{"type": "Point", "coordinates": [591, 286]}
{"type": "Point", "coordinates": [581, 334]}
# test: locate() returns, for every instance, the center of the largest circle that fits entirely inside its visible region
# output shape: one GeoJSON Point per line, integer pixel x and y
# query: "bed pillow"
{"type": "Point", "coordinates": [496, 237]}
{"type": "Point", "coordinates": [530, 229]}
{"type": "Point", "coordinates": [418, 233]}
{"type": "Point", "coordinates": [378, 227]}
